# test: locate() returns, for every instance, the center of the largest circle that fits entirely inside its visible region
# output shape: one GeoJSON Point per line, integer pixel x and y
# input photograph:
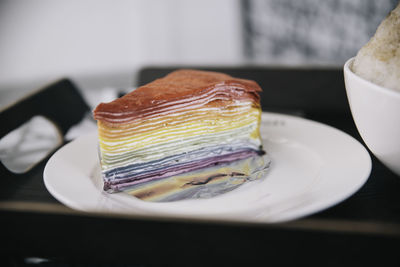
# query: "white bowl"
{"type": "Point", "coordinates": [376, 113]}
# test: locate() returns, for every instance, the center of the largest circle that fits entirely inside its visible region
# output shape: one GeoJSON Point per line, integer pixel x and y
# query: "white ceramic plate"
{"type": "Point", "coordinates": [314, 166]}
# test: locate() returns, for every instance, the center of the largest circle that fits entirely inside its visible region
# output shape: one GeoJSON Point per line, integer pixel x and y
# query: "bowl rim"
{"type": "Point", "coordinates": [347, 71]}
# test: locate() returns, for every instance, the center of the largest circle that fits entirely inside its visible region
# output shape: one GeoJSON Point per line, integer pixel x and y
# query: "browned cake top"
{"type": "Point", "coordinates": [180, 84]}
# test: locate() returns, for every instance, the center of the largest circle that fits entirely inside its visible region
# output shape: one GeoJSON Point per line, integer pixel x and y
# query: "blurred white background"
{"type": "Point", "coordinates": [101, 43]}
{"type": "Point", "coordinates": [109, 40]}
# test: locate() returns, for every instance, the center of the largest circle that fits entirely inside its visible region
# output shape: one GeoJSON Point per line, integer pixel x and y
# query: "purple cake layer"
{"type": "Point", "coordinates": [116, 185]}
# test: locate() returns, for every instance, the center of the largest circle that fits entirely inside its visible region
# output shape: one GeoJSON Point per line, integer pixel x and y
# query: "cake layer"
{"type": "Point", "coordinates": [178, 131]}
{"type": "Point", "coordinates": [157, 161]}
{"type": "Point", "coordinates": [131, 170]}
{"type": "Point", "coordinates": [234, 138]}
{"type": "Point", "coordinates": [204, 183]}
{"type": "Point", "coordinates": [205, 113]}
{"type": "Point", "coordinates": [171, 170]}
{"type": "Point", "coordinates": [183, 123]}
{"type": "Point", "coordinates": [178, 90]}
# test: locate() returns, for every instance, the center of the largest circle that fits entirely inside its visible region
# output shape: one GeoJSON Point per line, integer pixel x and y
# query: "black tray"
{"type": "Point", "coordinates": [364, 229]}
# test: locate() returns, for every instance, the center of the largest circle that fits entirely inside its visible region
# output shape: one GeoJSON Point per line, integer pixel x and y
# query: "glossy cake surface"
{"type": "Point", "coordinates": [189, 134]}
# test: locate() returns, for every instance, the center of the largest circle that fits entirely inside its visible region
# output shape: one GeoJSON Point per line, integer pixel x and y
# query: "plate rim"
{"type": "Point", "coordinates": [296, 213]}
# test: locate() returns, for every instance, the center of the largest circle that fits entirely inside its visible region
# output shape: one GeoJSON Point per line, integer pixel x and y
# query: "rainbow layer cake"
{"type": "Point", "coordinates": [190, 134]}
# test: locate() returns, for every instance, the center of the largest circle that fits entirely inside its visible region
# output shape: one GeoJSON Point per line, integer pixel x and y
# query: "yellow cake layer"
{"type": "Point", "coordinates": [181, 130]}
{"type": "Point", "coordinates": [110, 131]}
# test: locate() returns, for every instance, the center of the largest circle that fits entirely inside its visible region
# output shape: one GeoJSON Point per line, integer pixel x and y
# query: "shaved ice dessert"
{"type": "Point", "coordinates": [379, 60]}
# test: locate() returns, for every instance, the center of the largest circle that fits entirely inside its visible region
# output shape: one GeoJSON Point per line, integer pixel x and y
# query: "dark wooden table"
{"type": "Point", "coordinates": [364, 229]}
